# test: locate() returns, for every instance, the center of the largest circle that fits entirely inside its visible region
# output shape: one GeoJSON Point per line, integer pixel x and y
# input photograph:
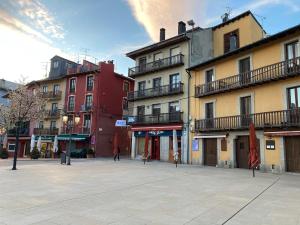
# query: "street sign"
{"type": "Point", "coordinates": [120, 123]}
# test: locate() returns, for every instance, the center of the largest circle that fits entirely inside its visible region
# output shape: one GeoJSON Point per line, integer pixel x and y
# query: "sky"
{"type": "Point", "coordinates": [33, 31]}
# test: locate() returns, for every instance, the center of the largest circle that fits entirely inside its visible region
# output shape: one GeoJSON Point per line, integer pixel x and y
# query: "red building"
{"type": "Point", "coordinates": [98, 95]}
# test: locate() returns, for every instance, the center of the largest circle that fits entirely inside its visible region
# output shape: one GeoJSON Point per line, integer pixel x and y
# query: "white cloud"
{"type": "Point", "coordinates": [155, 14]}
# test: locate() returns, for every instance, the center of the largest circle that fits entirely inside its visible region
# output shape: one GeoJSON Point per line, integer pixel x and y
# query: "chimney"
{"type": "Point", "coordinates": [162, 34]}
{"type": "Point", "coordinates": [181, 27]}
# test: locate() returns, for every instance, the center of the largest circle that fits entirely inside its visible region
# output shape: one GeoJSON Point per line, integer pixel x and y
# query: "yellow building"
{"type": "Point", "coordinates": [252, 78]}
{"type": "Point", "coordinates": [53, 90]}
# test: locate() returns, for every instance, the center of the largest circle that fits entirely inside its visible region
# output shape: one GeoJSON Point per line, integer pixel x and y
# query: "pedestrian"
{"type": "Point", "coordinates": [117, 154]}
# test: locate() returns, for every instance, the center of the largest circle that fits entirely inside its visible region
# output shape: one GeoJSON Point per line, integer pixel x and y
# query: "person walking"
{"type": "Point", "coordinates": [117, 154]}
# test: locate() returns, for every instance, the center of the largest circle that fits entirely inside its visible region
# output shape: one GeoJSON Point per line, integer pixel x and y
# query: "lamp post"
{"type": "Point", "coordinates": [70, 126]}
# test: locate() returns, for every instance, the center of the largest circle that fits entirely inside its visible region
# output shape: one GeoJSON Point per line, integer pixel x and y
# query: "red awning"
{"type": "Point", "coordinates": [155, 128]}
{"type": "Point", "coordinates": [282, 133]}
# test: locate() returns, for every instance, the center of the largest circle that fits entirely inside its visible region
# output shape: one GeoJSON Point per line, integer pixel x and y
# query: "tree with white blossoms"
{"type": "Point", "coordinates": [25, 105]}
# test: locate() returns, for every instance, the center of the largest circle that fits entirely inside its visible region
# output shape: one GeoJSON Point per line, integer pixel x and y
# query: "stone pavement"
{"type": "Point", "coordinates": [127, 192]}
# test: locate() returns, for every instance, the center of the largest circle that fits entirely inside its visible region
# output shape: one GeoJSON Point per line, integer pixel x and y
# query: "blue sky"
{"type": "Point", "coordinates": [32, 31]}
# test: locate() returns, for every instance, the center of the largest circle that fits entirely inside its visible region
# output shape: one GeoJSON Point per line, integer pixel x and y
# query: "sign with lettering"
{"type": "Point", "coordinates": [120, 123]}
{"type": "Point", "coordinates": [157, 133]}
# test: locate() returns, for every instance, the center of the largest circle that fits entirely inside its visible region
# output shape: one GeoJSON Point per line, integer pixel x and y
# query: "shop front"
{"type": "Point", "coordinates": [160, 142]}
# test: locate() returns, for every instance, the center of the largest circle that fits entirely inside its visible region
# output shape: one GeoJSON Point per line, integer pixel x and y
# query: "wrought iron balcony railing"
{"type": "Point", "coordinates": [52, 114]}
{"type": "Point", "coordinates": [273, 119]}
{"type": "Point", "coordinates": [45, 131]}
{"type": "Point", "coordinates": [162, 118]}
{"type": "Point", "coordinates": [52, 94]}
{"type": "Point", "coordinates": [277, 71]}
{"type": "Point", "coordinates": [160, 64]}
{"type": "Point", "coordinates": [165, 90]}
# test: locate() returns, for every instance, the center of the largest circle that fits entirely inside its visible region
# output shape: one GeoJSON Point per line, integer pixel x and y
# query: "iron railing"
{"type": "Point", "coordinates": [52, 94]}
{"type": "Point", "coordinates": [157, 65]}
{"type": "Point", "coordinates": [273, 119]}
{"type": "Point", "coordinates": [45, 131]}
{"type": "Point", "coordinates": [281, 70]}
{"type": "Point", "coordinates": [52, 114]}
{"type": "Point", "coordinates": [162, 118]}
{"type": "Point", "coordinates": [165, 90]}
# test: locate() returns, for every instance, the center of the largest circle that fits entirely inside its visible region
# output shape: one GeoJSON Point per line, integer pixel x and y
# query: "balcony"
{"type": "Point", "coordinates": [86, 130]}
{"type": "Point", "coordinates": [163, 118]}
{"type": "Point", "coordinates": [54, 95]}
{"type": "Point", "coordinates": [161, 64]}
{"type": "Point", "coordinates": [156, 92]}
{"type": "Point", "coordinates": [86, 108]}
{"type": "Point", "coordinates": [24, 131]}
{"type": "Point", "coordinates": [52, 114]}
{"type": "Point", "coordinates": [277, 71]}
{"type": "Point", "coordinates": [273, 119]}
{"type": "Point", "coordinates": [45, 131]}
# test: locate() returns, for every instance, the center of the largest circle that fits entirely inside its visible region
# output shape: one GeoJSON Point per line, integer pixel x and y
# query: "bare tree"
{"type": "Point", "coordinates": [25, 105]}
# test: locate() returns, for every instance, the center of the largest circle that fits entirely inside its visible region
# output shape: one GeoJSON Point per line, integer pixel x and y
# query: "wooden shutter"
{"type": "Point", "coordinates": [226, 42]}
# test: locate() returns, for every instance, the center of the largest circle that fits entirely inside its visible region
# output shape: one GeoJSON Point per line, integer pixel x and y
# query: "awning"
{"type": "Point", "coordinates": [164, 133]}
{"type": "Point", "coordinates": [74, 137]}
{"type": "Point", "coordinates": [45, 138]}
{"type": "Point", "coordinates": [282, 133]}
{"type": "Point", "coordinates": [209, 136]}
{"type": "Point", "coordinates": [157, 128]}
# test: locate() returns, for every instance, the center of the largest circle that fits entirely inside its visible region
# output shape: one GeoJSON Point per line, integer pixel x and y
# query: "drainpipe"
{"type": "Point", "coordinates": [188, 116]}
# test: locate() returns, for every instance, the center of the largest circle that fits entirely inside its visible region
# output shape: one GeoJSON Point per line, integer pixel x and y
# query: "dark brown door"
{"type": "Point", "coordinates": [292, 154]}
{"type": "Point", "coordinates": [242, 152]}
{"type": "Point", "coordinates": [209, 115]}
{"type": "Point", "coordinates": [210, 151]}
{"type": "Point", "coordinates": [155, 151]}
{"type": "Point", "coordinates": [245, 111]}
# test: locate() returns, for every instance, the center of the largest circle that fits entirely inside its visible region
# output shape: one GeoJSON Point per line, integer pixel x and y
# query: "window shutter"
{"type": "Point", "coordinates": [236, 32]}
{"type": "Point", "coordinates": [226, 42]}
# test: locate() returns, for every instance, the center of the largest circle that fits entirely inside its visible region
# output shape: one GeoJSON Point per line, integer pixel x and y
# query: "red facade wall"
{"type": "Point", "coordinates": [108, 96]}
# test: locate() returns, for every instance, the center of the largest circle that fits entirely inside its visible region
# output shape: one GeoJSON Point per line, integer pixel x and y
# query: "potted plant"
{"type": "Point", "coordinates": [90, 153]}
{"type": "Point", "coordinates": [3, 154]}
{"type": "Point", "coordinates": [35, 154]}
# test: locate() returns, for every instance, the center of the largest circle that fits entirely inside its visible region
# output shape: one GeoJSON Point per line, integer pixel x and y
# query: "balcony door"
{"type": "Point", "coordinates": [291, 54]}
{"type": "Point", "coordinates": [174, 111]}
{"type": "Point", "coordinates": [156, 85]}
{"type": "Point", "coordinates": [140, 113]}
{"type": "Point", "coordinates": [293, 105]}
{"type": "Point", "coordinates": [209, 77]}
{"type": "Point", "coordinates": [244, 71]}
{"type": "Point", "coordinates": [142, 64]}
{"type": "Point", "coordinates": [55, 89]}
{"type": "Point", "coordinates": [175, 57]}
{"type": "Point", "coordinates": [209, 114]}
{"type": "Point", "coordinates": [141, 88]}
{"type": "Point", "coordinates": [174, 82]}
{"type": "Point", "coordinates": [245, 104]}
{"type": "Point", "coordinates": [156, 113]}
{"type": "Point", "coordinates": [86, 123]}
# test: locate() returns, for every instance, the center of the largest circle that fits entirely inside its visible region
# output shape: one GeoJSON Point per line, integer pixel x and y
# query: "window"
{"type": "Point", "coordinates": [293, 97]}
{"type": "Point", "coordinates": [55, 64]}
{"type": "Point", "coordinates": [45, 89]}
{"type": "Point", "coordinates": [244, 71]}
{"type": "Point", "coordinates": [54, 107]}
{"type": "Point", "coordinates": [90, 83]}
{"type": "Point", "coordinates": [41, 125]}
{"type": "Point", "coordinates": [156, 83]}
{"type": "Point", "coordinates": [87, 121]}
{"type": "Point", "coordinates": [174, 107]}
{"type": "Point", "coordinates": [174, 81]}
{"type": "Point", "coordinates": [88, 102]}
{"type": "Point", "coordinates": [291, 50]}
{"type": "Point", "coordinates": [55, 89]}
{"type": "Point", "coordinates": [125, 103]}
{"type": "Point", "coordinates": [175, 55]}
{"type": "Point", "coordinates": [209, 76]}
{"type": "Point", "coordinates": [155, 109]}
{"type": "Point", "coordinates": [52, 124]}
{"type": "Point", "coordinates": [140, 113]}
{"type": "Point", "coordinates": [158, 56]}
{"type": "Point", "coordinates": [70, 120]}
{"type": "Point", "coordinates": [72, 85]}
{"type": "Point", "coordinates": [209, 114]}
{"type": "Point", "coordinates": [11, 147]}
{"type": "Point", "coordinates": [245, 104]}
{"type": "Point", "coordinates": [231, 41]}
{"type": "Point", "coordinates": [71, 103]}
{"type": "Point", "coordinates": [142, 64]}
{"type": "Point", "coordinates": [126, 86]}
{"type": "Point", "coordinates": [141, 88]}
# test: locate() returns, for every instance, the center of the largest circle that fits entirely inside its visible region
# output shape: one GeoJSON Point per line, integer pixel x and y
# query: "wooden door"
{"type": "Point", "coordinates": [209, 115]}
{"type": "Point", "coordinates": [210, 151]}
{"type": "Point", "coordinates": [292, 154]}
{"type": "Point", "coordinates": [245, 103]}
{"type": "Point", "coordinates": [242, 152]}
{"type": "Point", "coordinates": [155, 148]}
{"type": "Point", "coordinates": [244, 69]}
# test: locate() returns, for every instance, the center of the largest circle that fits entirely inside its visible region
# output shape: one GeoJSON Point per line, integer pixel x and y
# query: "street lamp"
{"type": "Point", "coordinates": [70, 126]}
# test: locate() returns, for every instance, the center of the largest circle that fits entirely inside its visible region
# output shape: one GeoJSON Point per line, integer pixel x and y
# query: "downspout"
{"type": "Point", "coordinates": [188, 116]}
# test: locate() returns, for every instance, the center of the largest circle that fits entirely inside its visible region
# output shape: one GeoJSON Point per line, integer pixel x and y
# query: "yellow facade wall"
{"type": "Point", "coordinates": [249, 32]}
{"type": "Point", "coordinates": [273, 156]}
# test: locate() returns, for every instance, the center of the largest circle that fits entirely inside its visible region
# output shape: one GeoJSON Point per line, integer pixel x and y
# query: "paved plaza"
{"type": "Point", "coordinates": [127, 192]}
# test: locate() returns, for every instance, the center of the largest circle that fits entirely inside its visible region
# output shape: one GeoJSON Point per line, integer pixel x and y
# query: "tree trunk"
{"type": "Point", "coordinates": [16, 148]}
